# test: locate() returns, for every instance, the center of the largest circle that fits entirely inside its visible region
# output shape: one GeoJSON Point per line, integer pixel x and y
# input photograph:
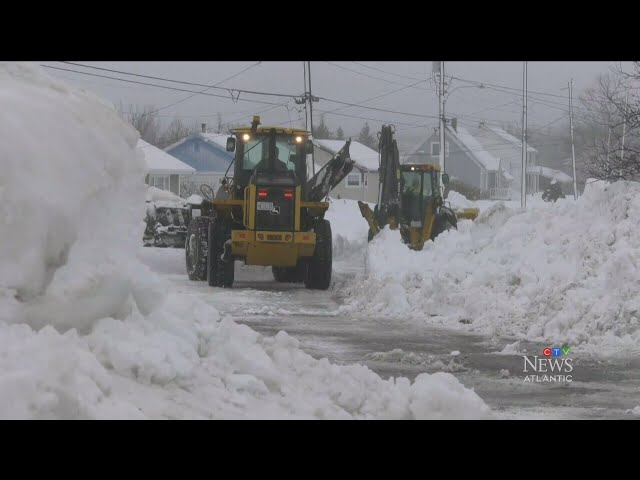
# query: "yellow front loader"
{"type": "Point", "coordinates": [268, 213]}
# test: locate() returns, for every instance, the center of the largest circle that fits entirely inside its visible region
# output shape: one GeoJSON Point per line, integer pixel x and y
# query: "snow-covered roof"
{"type": "Point", "coordinates": [477, 150]}
{"type": "Point", "coordinates": [550, 173]}
{"type": "Point", "coordinates": [160, 162]}
{"type": "Point", "coordinates": [218, 139]}
{"type": "Point", "coordinates": [510, 138]}
{"type": "Point", "coordinates": [361, 154]}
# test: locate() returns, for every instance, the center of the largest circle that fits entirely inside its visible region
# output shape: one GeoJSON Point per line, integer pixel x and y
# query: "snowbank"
{"type": "Point", "coordinates": [559, 273]}
{"type": "Point", "coordinates": [87, 331]}
{"type": "Point", "coordinates": [348, 227]}
{"type": "Point", "coordinates": [154, 194]}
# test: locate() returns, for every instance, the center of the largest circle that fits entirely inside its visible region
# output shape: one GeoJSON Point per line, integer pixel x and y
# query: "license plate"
{"type": "Point", "coordinates": [265, 206]}
{"type": "Point", "coordinates": [415, 223]}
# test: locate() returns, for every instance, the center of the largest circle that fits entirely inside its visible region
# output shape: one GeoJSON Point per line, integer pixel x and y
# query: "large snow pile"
{"type": "Point", "coordinates": [87, 331]}
{"type": "Point", "coordinates": [559, 273]}
{"type": "Point", "coordinates": [348, 227]}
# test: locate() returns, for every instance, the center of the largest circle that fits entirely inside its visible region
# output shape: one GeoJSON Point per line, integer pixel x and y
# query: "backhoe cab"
{"type": "Point", "coordinates": [268, 213]}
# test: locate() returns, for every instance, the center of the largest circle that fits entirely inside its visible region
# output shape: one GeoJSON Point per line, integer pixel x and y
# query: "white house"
{"type": "Point", "coordinates": [362, 182]}
{"type": "Point", "coordinates": [163, 170]}
{"type": "Point", "coordinates": [509, 149]}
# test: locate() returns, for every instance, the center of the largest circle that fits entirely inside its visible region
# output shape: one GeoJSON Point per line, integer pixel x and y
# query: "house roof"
{"type": "Point", "coordinates": [474, 147]}
{"type": "Point", "coordinates": [509, 138]}
{"type": "Point", "coordinates": [217, 159]}
{"type": "Point", "coordinates": [362, 155]}
{"type": "Point", "coordinates": [160, 162]}
{"type": "Point", "coordinates": [551, 173]}
{"type": "Point", "coordinates": [217, 139]}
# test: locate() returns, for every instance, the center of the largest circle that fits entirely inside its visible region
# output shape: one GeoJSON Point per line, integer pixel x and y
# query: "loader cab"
{"type": "Point", "coordinates": [419, 187]}
{"type": "Point", "coordinates": [271, 153]}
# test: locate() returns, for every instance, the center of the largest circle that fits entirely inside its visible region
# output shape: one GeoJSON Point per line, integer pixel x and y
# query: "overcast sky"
{"type": "Point", "coordinates": [352, 82]}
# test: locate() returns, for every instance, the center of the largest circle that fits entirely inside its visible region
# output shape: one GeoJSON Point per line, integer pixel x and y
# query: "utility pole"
{"type": "Point", "coordinates": [442, 132]}
{"type": "Point", "coordinates": [523, 191]}
{"type": "Point", "coordinates": [313, 156]}
{"type": "Point", "coordinates": [573, 149]}
{"type": "Point", "coordinates": [624, 124]}
{"type": "Point", "coordinates": [306, 113]}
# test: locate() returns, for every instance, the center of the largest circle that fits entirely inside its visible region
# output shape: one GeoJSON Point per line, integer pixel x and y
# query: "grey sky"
{"type": "Point", "coordinates": [340, 81]}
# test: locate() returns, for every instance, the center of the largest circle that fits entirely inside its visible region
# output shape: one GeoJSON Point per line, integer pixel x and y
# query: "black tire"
{"type": "Point", "coordinates": [295, 274]}
{"type": "Point", "coordinates": [220, 273]}
{"type": "Point", "coordinates": [196, 248]}
{"type": "Point", "coordinates": [319, 268]}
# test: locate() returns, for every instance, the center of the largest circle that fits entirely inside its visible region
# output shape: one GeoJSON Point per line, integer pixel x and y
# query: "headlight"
{"type": "Point", "coordinates": [246, 137]}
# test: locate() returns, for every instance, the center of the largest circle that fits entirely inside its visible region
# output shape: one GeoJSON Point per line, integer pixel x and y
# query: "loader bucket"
{"type": "Point", "coordinates": [467, 213]}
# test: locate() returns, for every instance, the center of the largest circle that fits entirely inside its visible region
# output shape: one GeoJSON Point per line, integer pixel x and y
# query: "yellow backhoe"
{"type": "Point", "coordinates": [410, 198]}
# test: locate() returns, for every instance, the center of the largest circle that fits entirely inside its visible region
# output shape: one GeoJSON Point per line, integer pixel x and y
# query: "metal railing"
{"type": "Point", "coordinates": [500, 193]}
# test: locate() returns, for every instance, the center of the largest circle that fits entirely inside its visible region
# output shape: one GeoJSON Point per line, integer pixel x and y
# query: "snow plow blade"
{"type": "Point", "coordinates": [467, 213]}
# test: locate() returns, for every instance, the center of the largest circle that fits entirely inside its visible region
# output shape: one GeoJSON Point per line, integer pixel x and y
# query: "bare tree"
{"type": "Point", "coordinates": [176, 130]}
{"type": "Point", "coordinates": [145, 121]}
{"type": "Point", "coordinates": [611, 126]}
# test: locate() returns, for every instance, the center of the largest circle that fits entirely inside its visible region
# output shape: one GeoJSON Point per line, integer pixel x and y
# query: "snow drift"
{"type": "Point", "coordinates": [87, 331]}
{"type": "Point", "coordinates": [560, 273]}
{"type": "Point", "coordinates": [348, 227]}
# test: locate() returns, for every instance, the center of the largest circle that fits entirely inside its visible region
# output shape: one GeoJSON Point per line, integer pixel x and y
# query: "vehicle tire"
{"type": "Point", "coordinates": [220, 273]}
{"type": "Point", "coordinates": [295, 274]}
{"type": "Point", "coordinates": [319, 268]}
{"type": "Point", "coordinates": [196, 248]}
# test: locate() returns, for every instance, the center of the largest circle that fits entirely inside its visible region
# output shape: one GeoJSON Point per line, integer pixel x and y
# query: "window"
{"type": "Point", "coordinates": [255, 151]}
{"type": "Point", "coordinates": [159, 181]}
{"type": "Point", "coordinates": [435, 149]}
{"type": "Point", "coordinates": [365, 179]}
{"type": "Point", "coordinates": [353, 180]}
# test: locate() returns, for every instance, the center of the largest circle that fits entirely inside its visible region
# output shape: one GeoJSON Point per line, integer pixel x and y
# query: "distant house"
{"type": "Point", "coordinates": [362, 182]}
{"type": "Point", "coordinates": [466, 160]}
{"type": "Point", "coordinates": [207, 154]}
{"type": "Point", "coordinates": [546, 175]}
{"type": "Point", "coordinates": [163, 170]}
{"type": "Point", "coordinates": [509, 149]}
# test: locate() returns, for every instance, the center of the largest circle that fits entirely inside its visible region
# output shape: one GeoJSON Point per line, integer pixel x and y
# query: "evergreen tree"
{"type": "Point", "coordinates": [366, 138]}
{"type": "Point", "coordinates": [321, 131]}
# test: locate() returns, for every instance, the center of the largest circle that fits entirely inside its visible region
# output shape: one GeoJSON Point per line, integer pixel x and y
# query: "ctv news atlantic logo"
{"type": "Point", "coordinates": [553, 366]}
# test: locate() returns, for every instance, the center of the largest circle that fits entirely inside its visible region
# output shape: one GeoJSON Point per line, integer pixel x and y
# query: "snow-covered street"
{"type": "Point", "coordinates": [523, 312]}
{"type": "Point", "coordinates": [391, 346]}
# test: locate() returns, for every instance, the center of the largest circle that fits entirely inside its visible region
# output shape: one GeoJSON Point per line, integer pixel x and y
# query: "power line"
{"type": "Point", "coordinates": [359, 104]}
{"type": "Point", "coordinates": [162, 86]}
{"type": "Point", "coordinates": [384, 71]}
{"type": "Point", "coordinates": [509, 88]}
{"type": "Point", "coordinates": [197, 93]}
{"type": "Point", "coordinates": [377, 78]}
{"type": "Point", "coordinates": [326, 112]}
{"type": "Point", "coordinates": [240, 90]}
{"type": "Point", "coordinates": [377, 109]}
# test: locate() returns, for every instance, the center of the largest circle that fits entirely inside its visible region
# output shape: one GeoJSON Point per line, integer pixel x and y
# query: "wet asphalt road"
{"type": "Point", "coordinates": [396, 347]}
